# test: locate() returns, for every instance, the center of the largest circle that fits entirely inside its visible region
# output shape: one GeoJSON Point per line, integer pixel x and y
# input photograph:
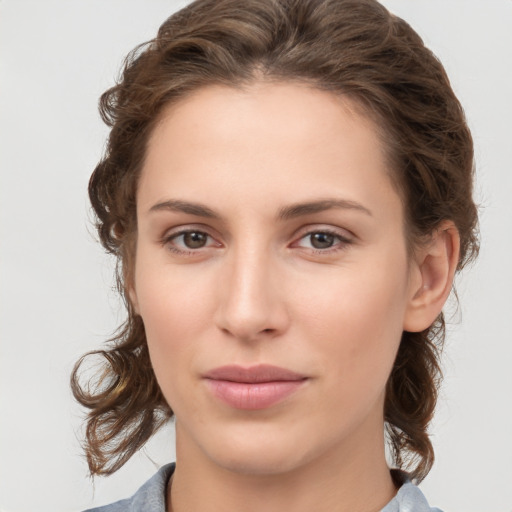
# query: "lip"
{"type": "Point", "coordinates": [253, 388]}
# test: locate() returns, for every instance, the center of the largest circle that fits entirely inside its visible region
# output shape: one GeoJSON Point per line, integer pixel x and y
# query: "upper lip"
{"type": "Point", "coordinates": [253, 374]}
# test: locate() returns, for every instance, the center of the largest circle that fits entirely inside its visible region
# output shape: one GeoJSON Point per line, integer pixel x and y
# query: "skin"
{"type": "Point", "coordinates": [254, 285]}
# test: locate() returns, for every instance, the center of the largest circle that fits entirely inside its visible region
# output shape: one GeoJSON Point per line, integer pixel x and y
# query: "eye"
{"type": "Point", "coordinates": [323, 241]}
{"type": "Point", "coordinates": [189, 240]}
{"type": "Point", "coordinates": [193, 239]}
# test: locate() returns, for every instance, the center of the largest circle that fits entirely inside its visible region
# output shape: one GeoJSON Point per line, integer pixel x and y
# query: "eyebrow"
{"type": "Point", "coordinates": [175, 205]}
{"type": "Point", "coordinates": [299, 209]}
{"type": "Point", "coordinates": [285, 213]}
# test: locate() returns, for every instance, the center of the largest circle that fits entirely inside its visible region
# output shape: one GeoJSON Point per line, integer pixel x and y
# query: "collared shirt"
{"type": "Point", "coordinates": [151, 497]}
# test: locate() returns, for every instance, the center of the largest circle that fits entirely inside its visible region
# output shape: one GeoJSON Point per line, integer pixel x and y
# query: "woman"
{"type": "Point", "coordinates": [288, 189]}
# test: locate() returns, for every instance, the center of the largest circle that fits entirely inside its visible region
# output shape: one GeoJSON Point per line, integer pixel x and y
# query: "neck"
{"type": "Point", "coordinates": [354, 478]}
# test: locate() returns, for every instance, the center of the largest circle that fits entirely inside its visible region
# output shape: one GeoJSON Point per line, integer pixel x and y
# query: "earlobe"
{"type": "Point", "coordinates": [434, 270]}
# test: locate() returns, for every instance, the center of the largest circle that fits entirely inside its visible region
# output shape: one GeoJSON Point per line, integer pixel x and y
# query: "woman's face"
{"type": "Point", "coordinates": [271, 275]}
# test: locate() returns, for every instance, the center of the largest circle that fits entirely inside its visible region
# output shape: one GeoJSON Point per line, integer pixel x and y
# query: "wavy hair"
{"type": "Point", "coordinates": [354, 48]}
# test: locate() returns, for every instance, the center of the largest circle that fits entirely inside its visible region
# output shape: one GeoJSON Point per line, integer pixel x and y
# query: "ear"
{"type": "Point", "coordinates": [432, 277]}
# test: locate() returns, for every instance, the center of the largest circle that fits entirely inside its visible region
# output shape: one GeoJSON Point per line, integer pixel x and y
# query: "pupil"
{"type": "Point", "coordinates": [194, 240]}
{"type": "Point", "coordinates": [322, 240]}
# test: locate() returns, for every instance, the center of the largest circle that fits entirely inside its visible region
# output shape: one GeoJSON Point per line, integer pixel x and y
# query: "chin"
{"type": "Point", "coordinates": [259, 451]}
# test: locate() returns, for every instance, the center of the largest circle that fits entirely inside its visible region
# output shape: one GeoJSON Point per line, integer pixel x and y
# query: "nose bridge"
{"type": "Point", "coordinates": [250, 302]}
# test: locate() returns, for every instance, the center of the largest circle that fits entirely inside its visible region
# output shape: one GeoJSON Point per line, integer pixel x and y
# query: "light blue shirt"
{"type": "Point", "coordinates": [151, 497]}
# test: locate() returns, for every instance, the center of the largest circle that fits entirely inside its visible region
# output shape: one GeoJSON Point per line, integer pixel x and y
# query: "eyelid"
{"type": "Point", "coordinates": [171, 234]}
{"type": "Point", "coordinates": [187, 228]}
{"type": "Point", "coordinates": [344, 237]}
{"type": "Point", "coordinates": [343, 233]}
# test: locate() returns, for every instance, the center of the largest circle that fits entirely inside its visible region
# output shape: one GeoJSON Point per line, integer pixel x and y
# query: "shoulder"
{"type": "Point", "coordinates": [409, 498]}
{"type": "Point", "coordinates": [149, 498]}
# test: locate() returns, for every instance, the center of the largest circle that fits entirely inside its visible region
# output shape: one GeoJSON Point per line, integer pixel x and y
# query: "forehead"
{"type": "Point", "coordinates": [268, 141]}
{"type": "Point", "coordinates": [255, 107]}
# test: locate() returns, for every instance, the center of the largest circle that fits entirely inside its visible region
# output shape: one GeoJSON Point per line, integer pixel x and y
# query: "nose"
{"type": "Point", "coordinates": [252, 303]}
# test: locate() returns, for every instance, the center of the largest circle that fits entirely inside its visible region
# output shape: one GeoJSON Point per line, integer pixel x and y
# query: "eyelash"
{"type": "Point", "coordinates": [340, 242]}
{"type": "Point", "coordinates": [167, 241]}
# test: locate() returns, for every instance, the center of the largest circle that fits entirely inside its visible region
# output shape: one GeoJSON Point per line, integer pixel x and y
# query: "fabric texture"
{"type": "Point", "coordinates": [151, 497]}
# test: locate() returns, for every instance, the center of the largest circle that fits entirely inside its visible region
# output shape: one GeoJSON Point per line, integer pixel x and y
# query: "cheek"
{"type": "Point", "coordinates": [172, 298]}
{"type": "Point", "coordinates": [355, 323]}
{"type": "Point", "coordinates": [175, 312]}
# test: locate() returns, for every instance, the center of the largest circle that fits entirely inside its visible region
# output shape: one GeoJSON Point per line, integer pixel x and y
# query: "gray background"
{"type": "Point", "coordinates": [56, 297]}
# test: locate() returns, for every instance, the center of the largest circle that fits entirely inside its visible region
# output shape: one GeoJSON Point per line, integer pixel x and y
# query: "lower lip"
{"type": "Point", "coordinates": [253, 396]}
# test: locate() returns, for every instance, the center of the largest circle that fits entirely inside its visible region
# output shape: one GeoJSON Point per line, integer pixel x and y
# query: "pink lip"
{"type": "Point", "coordinates": [257, 387]}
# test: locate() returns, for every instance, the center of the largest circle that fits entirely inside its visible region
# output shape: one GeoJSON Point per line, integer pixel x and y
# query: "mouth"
{"type": "Point", "coordinates": [253, 388]}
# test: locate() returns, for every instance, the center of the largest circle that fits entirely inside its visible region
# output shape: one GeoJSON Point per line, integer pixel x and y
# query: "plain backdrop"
{"type": "Point", "coordinates": [56, 291]}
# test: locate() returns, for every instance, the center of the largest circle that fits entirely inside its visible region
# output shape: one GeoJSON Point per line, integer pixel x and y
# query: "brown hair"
{"type": "Point", "coordinates": [354, 48]}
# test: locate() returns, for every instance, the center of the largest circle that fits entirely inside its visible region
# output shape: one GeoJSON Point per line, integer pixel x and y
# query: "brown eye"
{"type": "Point", "coordinates": [322, 240]}
{"type": "Point", "coordinates": [188, 241]}
{"type": "Point", "coordinates": [195, 239]}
